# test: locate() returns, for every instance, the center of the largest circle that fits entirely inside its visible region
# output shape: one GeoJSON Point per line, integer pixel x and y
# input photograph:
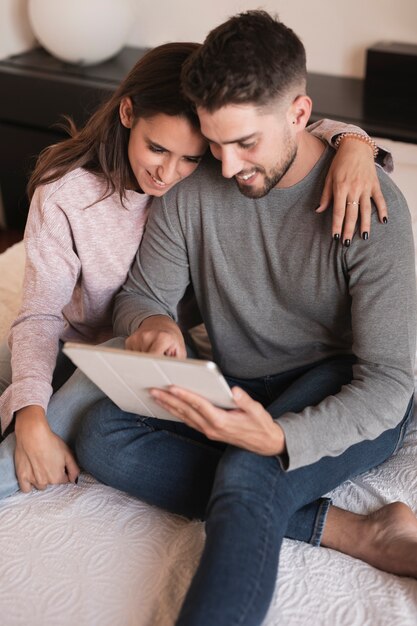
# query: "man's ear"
{"type": "Point", "coordinates": [126, 112]}
{"type": "Point", "coordinates": [300, 111]}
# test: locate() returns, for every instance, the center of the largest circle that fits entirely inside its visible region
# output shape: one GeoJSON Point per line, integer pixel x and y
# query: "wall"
{"type": "Point", "coordinates": [336, 33]}
{"type": "Point", "coordinates": [15, 32]}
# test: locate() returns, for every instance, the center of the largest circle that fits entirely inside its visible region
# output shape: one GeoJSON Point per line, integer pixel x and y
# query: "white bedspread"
{"type": "Point", "coordinates": [88, 555]}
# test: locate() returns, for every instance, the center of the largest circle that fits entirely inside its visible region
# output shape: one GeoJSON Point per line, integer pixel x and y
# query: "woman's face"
{"type": "Point", "coordinates": [162, 149]}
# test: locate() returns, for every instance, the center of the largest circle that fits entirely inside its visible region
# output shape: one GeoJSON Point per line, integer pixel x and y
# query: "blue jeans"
{"type": "Point", "coordinates": [248, 501]}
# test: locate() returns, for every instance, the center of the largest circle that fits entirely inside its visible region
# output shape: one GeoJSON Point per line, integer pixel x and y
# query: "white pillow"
{"type": "Point", "coordinates": [12, 263]}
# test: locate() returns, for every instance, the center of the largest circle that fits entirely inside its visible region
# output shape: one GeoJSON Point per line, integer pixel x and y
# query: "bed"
{"type": "Point", "coordinates": [90, 555]}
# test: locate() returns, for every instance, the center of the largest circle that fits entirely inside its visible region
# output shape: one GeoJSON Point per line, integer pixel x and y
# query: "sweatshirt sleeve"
{"type": "Point", "coordinates": [328, 130]}
{"type": "Point", "coordinates": [51, 272]}
{"type": "Point", "coordinates": [159, 274]}
{"type": "Point", "coordinates": [382, 286]}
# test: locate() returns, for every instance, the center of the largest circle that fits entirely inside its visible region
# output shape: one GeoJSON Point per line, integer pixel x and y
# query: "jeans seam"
{"type": "Point", "coordinates": [320, 522]}
{"type": "Point", "coordinates": [200, 444]}
{"type": "Point", "coordinates": [143, 422]}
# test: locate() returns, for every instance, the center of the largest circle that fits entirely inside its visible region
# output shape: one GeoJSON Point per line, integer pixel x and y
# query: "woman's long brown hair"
{"type": "Point", "coordinates": [154, 86]}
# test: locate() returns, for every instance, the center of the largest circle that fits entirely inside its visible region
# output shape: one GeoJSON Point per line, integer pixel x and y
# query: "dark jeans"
{"type": "Point", "coordinates": [248, 501]}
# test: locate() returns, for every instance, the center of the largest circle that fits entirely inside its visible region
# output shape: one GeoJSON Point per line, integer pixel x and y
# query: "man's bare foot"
{"type": "Point", "coordinates": [386, 539]}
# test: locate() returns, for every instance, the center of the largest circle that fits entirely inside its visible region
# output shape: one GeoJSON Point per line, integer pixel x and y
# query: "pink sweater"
{"type": "Point", "coordinates": [77, 258]}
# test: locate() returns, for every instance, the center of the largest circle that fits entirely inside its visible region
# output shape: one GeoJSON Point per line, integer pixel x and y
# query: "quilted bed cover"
{"type": "Point", "coordinates": [89, 555]}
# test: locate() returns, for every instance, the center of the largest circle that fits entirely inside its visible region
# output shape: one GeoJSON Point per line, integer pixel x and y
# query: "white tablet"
{"type": "Point", "coordinates": [126, 377]}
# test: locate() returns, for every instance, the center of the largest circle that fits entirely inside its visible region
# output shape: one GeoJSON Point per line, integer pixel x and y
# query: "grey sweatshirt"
{"type": "Point", "coordinates": [276, 292]}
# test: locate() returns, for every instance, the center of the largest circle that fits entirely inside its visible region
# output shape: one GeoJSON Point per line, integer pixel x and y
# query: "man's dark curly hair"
{"type": "Point", "coordinates": [251, 58]}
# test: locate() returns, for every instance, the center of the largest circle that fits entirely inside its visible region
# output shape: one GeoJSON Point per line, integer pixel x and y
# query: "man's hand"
{"type": "Point", "coordinates": [158, 334]}
{"type": "Point", "coordinates": [249, 426]}
{"type": "Point", "coordinates": [41, 457]}
{"type": "Point", "coordinates": [352, 181]}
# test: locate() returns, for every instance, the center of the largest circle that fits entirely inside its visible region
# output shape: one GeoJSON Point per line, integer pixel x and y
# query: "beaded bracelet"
{"type": "Point", "coordinates": [364, 138]}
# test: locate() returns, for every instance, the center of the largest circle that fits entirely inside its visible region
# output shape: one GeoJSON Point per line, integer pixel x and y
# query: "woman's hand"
{"type": "Point", "coordinates": [249, 426]}
{"type": "Point", "coordinates": [352, 181]}
{"type": "Point", "coordinates": [41, 457]}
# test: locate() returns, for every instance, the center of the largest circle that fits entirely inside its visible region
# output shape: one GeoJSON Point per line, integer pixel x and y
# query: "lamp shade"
{"type": "Point", "coordinates": [81, 31]}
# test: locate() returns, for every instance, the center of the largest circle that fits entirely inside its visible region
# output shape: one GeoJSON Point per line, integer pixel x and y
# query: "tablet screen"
{"type": "Point", "coordinates": [126, 377]}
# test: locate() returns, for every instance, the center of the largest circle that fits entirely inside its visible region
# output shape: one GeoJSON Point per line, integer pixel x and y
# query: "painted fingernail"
{"type": "Point", "coordinates": [385, 220]}
{"type": "Point", "coordinates": [346, 243]}
{"type": "Point", "coordinates": [76, 481]}
{"type": "Point", "coordinates": [365, 235]}
{"type": "Point", "coordinates": [336, 236]}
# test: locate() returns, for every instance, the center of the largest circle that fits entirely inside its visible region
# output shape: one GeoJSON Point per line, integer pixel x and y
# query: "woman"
{"type": "Point", "coordinates": [89, 202]}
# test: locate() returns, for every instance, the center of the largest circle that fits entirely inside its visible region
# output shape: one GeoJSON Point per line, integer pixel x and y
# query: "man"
{"type": "Point", "coordinates": [316, 338]}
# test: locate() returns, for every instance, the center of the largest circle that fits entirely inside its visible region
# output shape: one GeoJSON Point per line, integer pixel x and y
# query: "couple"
{"type": "Point", "coordinates": [315, 336]}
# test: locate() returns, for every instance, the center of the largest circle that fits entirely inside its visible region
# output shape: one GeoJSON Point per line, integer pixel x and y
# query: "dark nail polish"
{"type": "Point", "coordinates": [365, 235]}
{"type": "Point", "coordinates": [385, 220]}
{"type": "Point", "coordinates": [76, 481]}
{"type": "Point", "coordinates": [336, 237]}
{"type": "Point", "coordinates": [346, 243]}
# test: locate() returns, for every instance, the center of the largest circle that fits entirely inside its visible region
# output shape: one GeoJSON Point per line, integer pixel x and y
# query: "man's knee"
{"type": "Point", "coordinates": [105, 432]}
{"type": "Point", "coordinates": [94, 431]}
{"type": "Point", "coordinates": [258, 485]}
{"type": "Point", "coordinates": [245, 478]}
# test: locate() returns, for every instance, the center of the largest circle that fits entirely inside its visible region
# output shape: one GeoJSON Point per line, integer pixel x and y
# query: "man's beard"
{"type": "Point", "coordinates": [271, 181]}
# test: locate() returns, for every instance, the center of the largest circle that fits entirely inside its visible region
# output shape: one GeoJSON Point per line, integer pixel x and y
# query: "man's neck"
{"type": "Point", "coordinates": [309, 151]}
